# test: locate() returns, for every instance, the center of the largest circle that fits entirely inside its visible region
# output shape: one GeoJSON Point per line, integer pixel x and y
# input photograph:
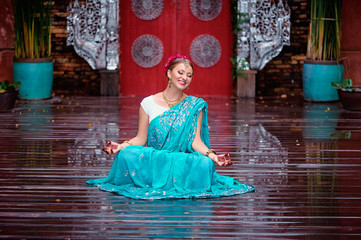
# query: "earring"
{"type": "Point", "coordinates": [169, 83]}
{"type": "Point", "coordinates": [187, 90]}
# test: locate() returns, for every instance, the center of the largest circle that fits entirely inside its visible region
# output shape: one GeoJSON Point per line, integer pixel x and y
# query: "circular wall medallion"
{"type": "Point", "coordinates": [147, 51]}
{"type": "Point", "coordinates": [206, 10]}
{"type": "Point", "coordinates": [147, 9]}
{"type": "Point", "coordinates": [205, 51]}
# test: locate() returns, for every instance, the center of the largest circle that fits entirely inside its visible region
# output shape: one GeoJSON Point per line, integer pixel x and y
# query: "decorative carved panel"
{"type": "Point", "coordinates": [265, 29]}
{"type": "Point", "coordinates": [92, 29]}
{"type": "Point", "coordinates": [147, 51]}
{"type": "Point", "coordinates": [206, 10]}
{"type": "Point", "coordinates": [147, 9]}
{"type": "Point", "coordinates": [205, 50]}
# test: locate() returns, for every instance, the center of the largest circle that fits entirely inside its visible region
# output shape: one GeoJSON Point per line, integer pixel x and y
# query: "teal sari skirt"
{"type": "Point", "coordinates": [147, 173]}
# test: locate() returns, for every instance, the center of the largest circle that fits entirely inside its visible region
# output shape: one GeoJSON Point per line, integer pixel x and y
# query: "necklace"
{"type": "Point", "coordinates": [172, 103]}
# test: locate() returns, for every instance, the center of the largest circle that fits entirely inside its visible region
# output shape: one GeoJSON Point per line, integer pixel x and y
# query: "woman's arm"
{"type": "Point", "coordinates": [139, 139]}
{"type": "Point", "coordinates": [197, 143]}
{"type": "Point", "coordinates": [143, 124]}
{"type": "Point", "coordinates": [200, 147]}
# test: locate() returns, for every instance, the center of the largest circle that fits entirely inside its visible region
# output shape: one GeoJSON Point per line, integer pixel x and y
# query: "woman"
{"type": "Point", "coordinates": [177, 161]}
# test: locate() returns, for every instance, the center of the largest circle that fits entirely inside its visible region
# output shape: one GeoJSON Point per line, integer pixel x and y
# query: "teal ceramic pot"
{"type": "Point", "coordinates": [317, 78]}
{"type": "Point", "coordinates": [36, 77]}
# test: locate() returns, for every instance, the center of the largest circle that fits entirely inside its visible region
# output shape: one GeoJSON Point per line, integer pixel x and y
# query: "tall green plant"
{"type": "Point", "coordinates": [32, 26]}
{"type": "Point", "coordinates": [324, 38]}
{"type": "Point", "coordinates": [237, 19]}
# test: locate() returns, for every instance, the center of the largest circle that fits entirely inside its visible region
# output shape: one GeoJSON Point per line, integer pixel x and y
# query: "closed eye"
{"type": "Point", "coordinates": [188, 75]}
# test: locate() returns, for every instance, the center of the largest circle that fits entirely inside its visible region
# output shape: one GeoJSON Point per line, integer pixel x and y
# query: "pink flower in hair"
{"type": "Point", "coordinates": [166, 66]}
{"type": "Point", "coordinates": [170, 59]}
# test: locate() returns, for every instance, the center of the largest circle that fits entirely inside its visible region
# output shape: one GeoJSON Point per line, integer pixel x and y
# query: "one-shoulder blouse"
{"type": "Point", "coordinates": [151, 108]}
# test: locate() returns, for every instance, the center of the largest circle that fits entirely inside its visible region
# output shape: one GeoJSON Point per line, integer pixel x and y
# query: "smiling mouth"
{"type": "Point", "coordinates": [182, 82]}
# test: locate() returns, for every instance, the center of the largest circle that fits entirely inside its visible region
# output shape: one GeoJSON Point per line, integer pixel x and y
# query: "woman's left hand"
{"type": "Point", "coordinates": [222, 160]}
{"type": "Point", "coordinates": [113, 147]}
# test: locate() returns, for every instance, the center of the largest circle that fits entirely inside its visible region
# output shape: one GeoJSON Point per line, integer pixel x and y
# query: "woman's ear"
{"type": "Point", "coordinates": [168, 73]}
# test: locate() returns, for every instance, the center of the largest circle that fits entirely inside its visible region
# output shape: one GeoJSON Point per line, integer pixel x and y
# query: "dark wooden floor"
{"type": "Point", "coordinates": [304, 160]}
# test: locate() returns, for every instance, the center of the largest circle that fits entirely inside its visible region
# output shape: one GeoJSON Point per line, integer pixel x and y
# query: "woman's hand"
{"type": "Point", "coordinates": [113, 147]}
{"type": "Point", "coordinates": [222, 160]}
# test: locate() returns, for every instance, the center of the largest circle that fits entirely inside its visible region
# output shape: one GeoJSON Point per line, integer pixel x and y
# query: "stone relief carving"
{"type": "Point", "coordinates": [92, 29]}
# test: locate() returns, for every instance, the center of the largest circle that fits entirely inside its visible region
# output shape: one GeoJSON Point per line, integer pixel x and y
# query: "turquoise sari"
{"type": "Point", "coordinates": [168, 167]}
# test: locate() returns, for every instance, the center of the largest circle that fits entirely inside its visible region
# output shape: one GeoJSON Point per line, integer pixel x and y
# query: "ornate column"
{"type": "Point", "coordinates": [270, 28]}
{"type": "Point", "coordinates": [265, 29]}
{"type": "Point", "coordinates": [92, 29]}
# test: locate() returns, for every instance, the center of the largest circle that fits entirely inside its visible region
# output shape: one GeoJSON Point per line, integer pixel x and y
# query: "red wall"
{"type": "Point", "coordinates": [351, 39]}
{"type": "Point", "coordinates": [6, 41]}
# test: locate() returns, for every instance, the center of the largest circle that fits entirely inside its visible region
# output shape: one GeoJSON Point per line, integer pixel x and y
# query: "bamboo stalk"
{"type": "Point", "coordinates": [324, 38]}
{"type": "Point", "coordinates": [32, 26]}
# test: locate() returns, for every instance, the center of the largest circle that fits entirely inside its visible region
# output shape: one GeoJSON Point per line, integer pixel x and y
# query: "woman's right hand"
{"type": "Point", "coordinates": [222, 160]}
{"type": "Point", "coordinates": [113, 147]}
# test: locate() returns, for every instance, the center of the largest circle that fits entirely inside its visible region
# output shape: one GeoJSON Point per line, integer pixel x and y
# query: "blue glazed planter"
{"type": "Point", "coordinates": [317, 78]}
{"type": "Point", "coordinates": [36, 78]}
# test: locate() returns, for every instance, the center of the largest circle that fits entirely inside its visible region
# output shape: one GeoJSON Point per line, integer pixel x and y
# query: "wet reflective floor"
{"type": "Point", "coordinates": [303, 158]}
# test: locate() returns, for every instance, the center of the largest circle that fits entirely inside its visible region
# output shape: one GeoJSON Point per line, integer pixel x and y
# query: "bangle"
{"type": "Point", "coordinates": [129, 142]}
{"type": "Point", "coordinates": [209, 151]}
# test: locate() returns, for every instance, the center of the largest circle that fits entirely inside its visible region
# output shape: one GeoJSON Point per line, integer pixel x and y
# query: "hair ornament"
{"type": "Point", "coordinates": [172, 58]}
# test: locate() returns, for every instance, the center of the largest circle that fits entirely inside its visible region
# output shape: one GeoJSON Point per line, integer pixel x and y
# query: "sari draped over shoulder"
{"type": "Point", "coordinates": [169, 167]}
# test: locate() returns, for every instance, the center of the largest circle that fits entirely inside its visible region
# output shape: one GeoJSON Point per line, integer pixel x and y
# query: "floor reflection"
{"type": "Point", "coordinates": [35, 125]}
{"type": "Point", "coordinates": [322, 182]}
{"type": "Point", "coordinates": [160, 217]}
{"type": "Point", "coordinates": [87, 147]}
{"type": "Point", "coordinates": [320, 120]}
{"type": "Point", "coordinates": [321, 161]}
{"type": "Point", "coordinates": [349, 148]}
{"type": "Point", "coordinates": [257, 146]}
{"type": "Point", "coordinates": [101, 123]}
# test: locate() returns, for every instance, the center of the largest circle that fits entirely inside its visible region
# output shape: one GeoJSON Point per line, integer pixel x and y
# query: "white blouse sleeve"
{"type": "Point", "coordinates": [146, 104]}
{"type": "Point", "coordinates": [151, 108]}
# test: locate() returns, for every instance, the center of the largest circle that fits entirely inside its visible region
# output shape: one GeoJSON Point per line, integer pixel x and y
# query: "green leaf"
{"type": "Point", "coordinates": [347, 83]}
{"type": "Point", "coordinates": [4, 85]}
{"type": "Point", "coordinates": [341, 135]}
{"type": "Point", "coordinates": [336, 85]}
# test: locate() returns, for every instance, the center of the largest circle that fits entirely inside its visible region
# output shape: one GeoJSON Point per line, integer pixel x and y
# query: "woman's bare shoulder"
{"type": "Point", "coordinates": [158, 99]}
{"type": "Point", "coordinates": [158, 95]}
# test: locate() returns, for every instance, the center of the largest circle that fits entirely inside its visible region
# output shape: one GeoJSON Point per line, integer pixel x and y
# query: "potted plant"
{"type": "Point", "coordinates": [33, 65]}
{"type": "Point", "coordinates": [8, 94]}
{"type": "Point", "coordinates": [350, 96]}
{"type": "Point", "coordinates": [322, 65]}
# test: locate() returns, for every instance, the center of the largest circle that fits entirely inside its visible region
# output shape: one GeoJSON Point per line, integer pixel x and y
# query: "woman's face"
{"type": "Point", "coordinates": [180, 76]}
